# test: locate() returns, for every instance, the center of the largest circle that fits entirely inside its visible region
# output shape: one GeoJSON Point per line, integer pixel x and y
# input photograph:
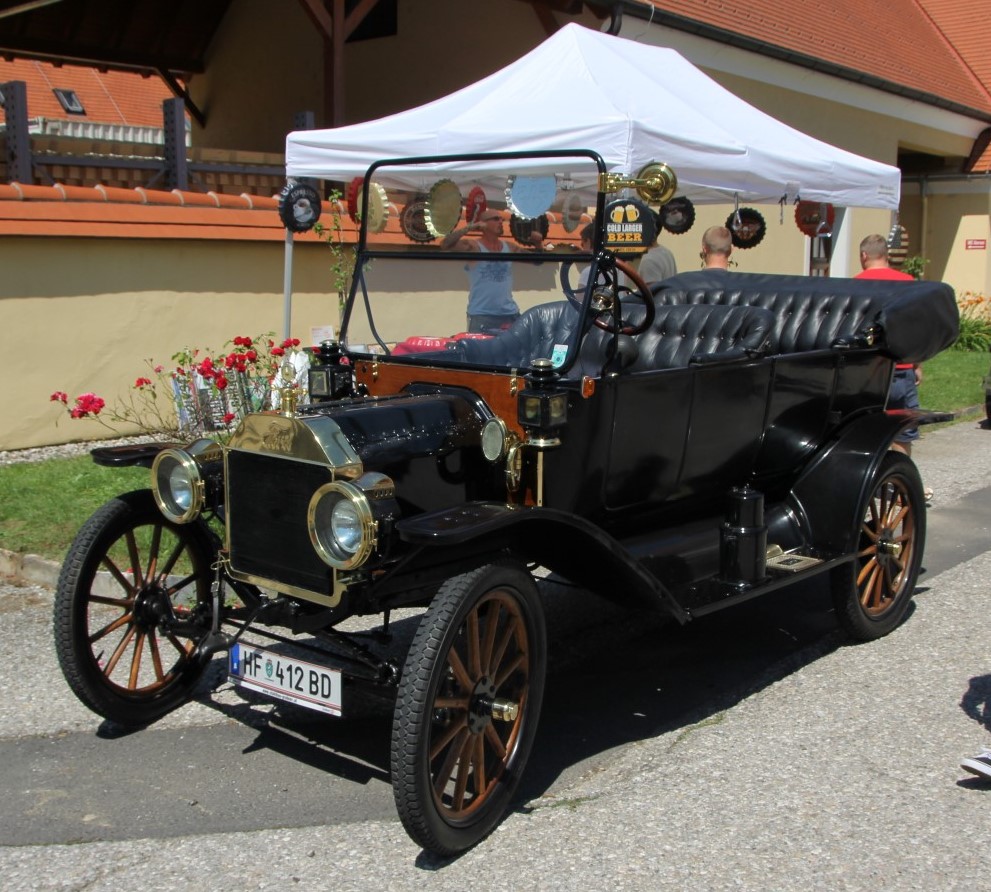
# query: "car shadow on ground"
{"type": "Point", "coordinates": [614, 676]}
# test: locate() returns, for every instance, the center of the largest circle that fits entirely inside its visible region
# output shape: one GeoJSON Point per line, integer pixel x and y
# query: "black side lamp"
{"type": "Point", "coordinates": [542, 408]}
{"type": "Point", "coordinates": [329, 378]}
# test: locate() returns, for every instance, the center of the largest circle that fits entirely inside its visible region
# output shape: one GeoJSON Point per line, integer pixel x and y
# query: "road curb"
{"type": "Point", "coordinates": [28, 569]}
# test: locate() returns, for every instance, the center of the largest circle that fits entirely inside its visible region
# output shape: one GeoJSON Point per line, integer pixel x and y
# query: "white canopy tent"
{"type": "Point", "coordinates": [633, 104]}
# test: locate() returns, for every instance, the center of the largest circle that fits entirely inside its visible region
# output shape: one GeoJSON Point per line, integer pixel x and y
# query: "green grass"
{"type": "Point", "coordinates": [43, 504]}
{"type": "Point", "coordinates": [953, 381]}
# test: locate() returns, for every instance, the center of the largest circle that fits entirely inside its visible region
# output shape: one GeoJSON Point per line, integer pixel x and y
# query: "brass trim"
{"type": "Point", "coordinates": [655, 182]}
{"type": "Point", "coordinates": [188, 462]}
{"type": "Point", "coordinates": [514, 467]}
{"type": "Point", "coordinates": [311, 438]}
{"type": "Point", "coordinates": [369, 526]}
{"type": "Point", "coordinates": [331, 600]}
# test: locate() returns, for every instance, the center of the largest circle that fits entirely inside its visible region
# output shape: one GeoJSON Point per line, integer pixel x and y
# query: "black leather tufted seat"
{"type": "Point", "coordinates": [679, 335]}
{"type": "Point", "coordinates": [684, 334]}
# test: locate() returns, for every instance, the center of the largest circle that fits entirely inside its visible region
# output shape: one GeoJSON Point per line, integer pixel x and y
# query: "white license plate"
{"type": "Point", "coordinates": [282, 677]}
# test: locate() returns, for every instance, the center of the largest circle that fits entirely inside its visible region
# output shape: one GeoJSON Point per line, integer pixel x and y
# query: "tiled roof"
{"type": "Point", "coordinates": [111, 97]}
{"type": "Point", "coordinates": [903, 43]}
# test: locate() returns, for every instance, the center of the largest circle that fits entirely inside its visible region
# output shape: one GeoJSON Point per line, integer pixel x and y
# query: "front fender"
{"type": "Point", "coordinates": [829, 495]}
{"type": "Point", "coordinates": [563, 543]}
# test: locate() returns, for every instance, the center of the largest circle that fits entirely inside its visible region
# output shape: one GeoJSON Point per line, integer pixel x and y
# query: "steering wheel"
{"type": "Point", "coordinates": [609, 295]}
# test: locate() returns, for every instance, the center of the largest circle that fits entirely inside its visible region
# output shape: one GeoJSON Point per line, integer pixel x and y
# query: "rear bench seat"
{"type": "Point", "coordinates": [804, 318]}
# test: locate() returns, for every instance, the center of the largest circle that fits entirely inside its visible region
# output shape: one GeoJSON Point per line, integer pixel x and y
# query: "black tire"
{"type": "Point", "coordinates": [872, 593]}
{"type": "Point", "coordinates": [458, 753]}
{"type": "Point", "coordinates": [115, 635]}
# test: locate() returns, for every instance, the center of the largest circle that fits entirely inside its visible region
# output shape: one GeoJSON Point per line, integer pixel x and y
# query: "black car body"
{"type": "Point", "coordinates": [684, 447]}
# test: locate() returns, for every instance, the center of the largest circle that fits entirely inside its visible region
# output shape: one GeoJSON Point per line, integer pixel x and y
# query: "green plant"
{"type": "Point", "coordinates": [915, 266]}
{"type": "Point", "coordinates": [975, 322]}
{"type": "Point", "coordinates": [342, 265]}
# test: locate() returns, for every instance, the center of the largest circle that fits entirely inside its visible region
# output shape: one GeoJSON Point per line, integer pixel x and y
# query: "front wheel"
{"type": "Point", "coordinates": [467, 707]}
{"type": "Point", "coordinates": [872, 593]}
{"type": "Point", "coordinates": [132, 603]}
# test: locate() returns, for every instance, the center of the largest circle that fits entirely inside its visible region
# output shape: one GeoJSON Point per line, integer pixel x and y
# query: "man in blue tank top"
{"type": "Point", "coordinates": [491, 307]}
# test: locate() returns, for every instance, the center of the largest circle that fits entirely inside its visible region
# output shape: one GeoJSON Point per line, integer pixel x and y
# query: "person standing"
{"type": "Point", "coordinates": [904, 392]}
{"type": "Point", "coordinates": [658, 263]}
{"type": "Point", "coordinates": [491, 306]}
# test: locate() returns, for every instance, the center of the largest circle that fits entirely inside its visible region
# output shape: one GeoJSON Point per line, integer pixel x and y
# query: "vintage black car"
{"type": "Point", "coordinates": [682, 447]}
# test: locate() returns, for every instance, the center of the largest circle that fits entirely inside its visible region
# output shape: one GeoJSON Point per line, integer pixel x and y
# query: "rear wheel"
{"type": "Point", "coordinates": [467, 707]}
{"type": "Point", "coordinates": [132, 602]}
{"type": "Point", "coordinates": [872, 593]}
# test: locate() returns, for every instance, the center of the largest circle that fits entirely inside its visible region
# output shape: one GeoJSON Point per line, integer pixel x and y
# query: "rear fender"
{"type": "Point", "coordinates": [557, 540]}
{"type": "Point", "coordinates": [828, 496]}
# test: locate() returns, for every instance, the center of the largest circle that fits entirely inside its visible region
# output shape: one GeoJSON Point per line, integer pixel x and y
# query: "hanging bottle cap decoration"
{"type": "Point", "coordinates": [299, 207]}
{"type": "Point", "coordinates": [815, 218]}
{"type": "Point", "coordinates": [475, 204]}
{"type": "Point", "coordinates": [378, 207]}
{"type": "Point", "coordinates": [522, 229]}
{"type": "Point", "coordinates": [677, 216]}
{"type": "Point", "coordinates": [414, 223]}
{"type": "Point", "coordinates": [351, 197]}
{"type": "Point", "coordinates": [443, 208]}
{"type": "Point", "coordinates": [529, 197]}
{"type": "Point", "coordinates": [747, 227]}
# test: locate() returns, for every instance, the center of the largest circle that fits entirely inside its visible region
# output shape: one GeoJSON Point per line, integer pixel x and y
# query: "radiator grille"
{"type": "Point", "coordinates": [267, 498]}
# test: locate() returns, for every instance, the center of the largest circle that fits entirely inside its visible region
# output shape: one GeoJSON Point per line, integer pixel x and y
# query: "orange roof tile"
{"type": "Point", "coordinates": [897, 43]}
{"type": "Point", "coordinates": [111, 97]}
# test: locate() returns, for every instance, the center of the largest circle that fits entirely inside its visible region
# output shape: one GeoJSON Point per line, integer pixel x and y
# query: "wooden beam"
{"type": "Point", "coordinates": [319, 16]}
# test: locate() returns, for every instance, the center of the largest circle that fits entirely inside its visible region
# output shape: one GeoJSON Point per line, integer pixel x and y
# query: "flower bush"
{"type": "Point", "coordinates": [202, 391]}
{"type": "Point", "coordinates": [975, 322]}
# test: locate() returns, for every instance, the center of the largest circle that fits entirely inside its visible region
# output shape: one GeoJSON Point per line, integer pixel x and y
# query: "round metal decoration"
{"type": "Point", "coordinates": [378, 207]}
{"type": "Point", "coordinates": [571, 212]}
{"type": "Point", "coordinates": [631, 226]}
{"type": "Point", "coordinates": [299, 207]}
{"type": "Point", "coordinates": [529, 197]}
{"type": "Point", "coordinates": [815, 218]}
{"type": "Point", "coordinates": [351, 197]}
{"type": "Point", "coordinates": [475, 204]}
{"type": "Point", "coordinates": [747, 227]}
{"type": "Point", "coordinates": [678, 215]}
{"type": "Point", "coordinates": [443, 208]}
{"type": "Point", "coordinates": [657, 183]}
{"type": "Point", "coordinates": [522, 229]}
{"type": "Point", "coordinates": [414, 223]}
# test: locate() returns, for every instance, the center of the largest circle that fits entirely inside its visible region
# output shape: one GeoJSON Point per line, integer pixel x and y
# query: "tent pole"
{"type": "Point", "coordinates": [287, 287]}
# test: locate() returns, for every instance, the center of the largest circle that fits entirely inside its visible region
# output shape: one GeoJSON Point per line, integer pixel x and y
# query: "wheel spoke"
{"type": "Point", "coordinates": [135, 676]}
{"type": "Point", "coordinates": [491, 627]}
{"type": "Point", "coordinates": [509, 669]}
{"type": "Point", "coordinates": [156, 656]}
{"type": "Point", "coordinates": [156, 541]}
{"type": "Point", "coordinates": [132, 551]}
{"type": "Point", "coordinates": [449, 734]}
{"type": "Point", "coordinates": [865, 569]}
{"type": "Point", "coordinates": [460, 673]}
{"type": "Point", "coordinates": [478, 768]}
{"type": "Point", "coordinates": [492, 736]}
{"type": "Point", "coordinates": [446, 769]}
{"type": "Point", "coordinates": [464, 771]}
{"type": "Point", "coordinates": [111, 627]}
{"type": "Point", "coordinates": [474, 645]}
{"type": "Point", "coordinates": [115, 571]}
{"type": "Point", "coordinates": [171, 562]}
{"type": "Point", "coordinates": [122, 645]}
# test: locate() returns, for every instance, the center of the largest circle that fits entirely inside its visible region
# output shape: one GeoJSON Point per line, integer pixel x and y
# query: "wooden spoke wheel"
{"type": "Point", "coordinates": [467, 707]}
{"type": "Point", "coordinates": [872, 593]}
{"type": "Point", "coordinates": [133, 601]}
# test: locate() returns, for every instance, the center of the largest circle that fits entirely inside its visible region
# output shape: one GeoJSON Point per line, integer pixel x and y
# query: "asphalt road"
{"type": "Point", "coordinates": [753, 749]}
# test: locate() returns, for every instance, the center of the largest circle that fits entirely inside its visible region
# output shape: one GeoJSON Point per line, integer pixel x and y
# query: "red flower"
{"type": "Point", "coordinates": [290, 342]}
{"type": "Point", "coordinates": [278, 351]}
{"type": "Point", "coordinates": [59, 397]}
{"type": "Point", "coordinates": [251, 355]}
{"type": "Point", "coordinates": [87, 404]}
{"type": "Point", "coordinates": [143, 382]}
{"type": "Point", "coordinates": [220, 380]}
{"type": "Point", "coordinates": [158, 369]}
{"type": "Point", "coordinates": [229, 417]}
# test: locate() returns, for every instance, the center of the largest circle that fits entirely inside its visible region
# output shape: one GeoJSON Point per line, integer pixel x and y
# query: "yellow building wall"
{"type": "Point", "coordinates": [84, 315]}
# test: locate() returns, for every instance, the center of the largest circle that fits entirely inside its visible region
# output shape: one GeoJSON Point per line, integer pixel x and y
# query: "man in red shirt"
{"type": "Point", "coordinates": [904, 392]}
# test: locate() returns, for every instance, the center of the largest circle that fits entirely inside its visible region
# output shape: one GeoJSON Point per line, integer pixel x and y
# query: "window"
{"type": "Point", "coordinates": [70, 101]}
{"type": "Point", "coordinates": [1, 98]}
